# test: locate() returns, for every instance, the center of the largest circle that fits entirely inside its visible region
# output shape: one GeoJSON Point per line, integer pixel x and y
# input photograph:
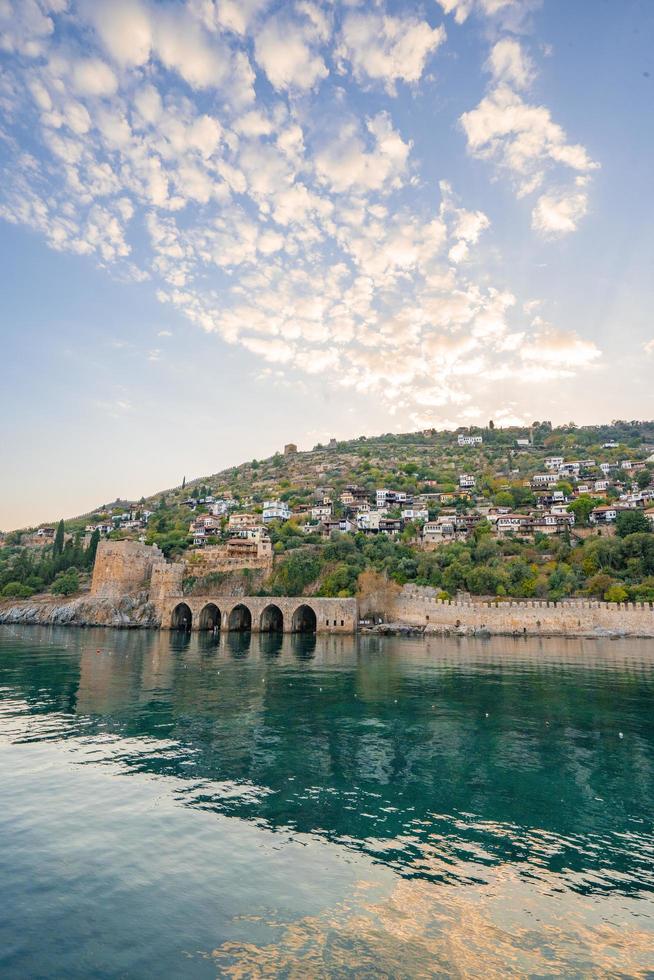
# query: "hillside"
{"type": "Point", "coordinates": [523, 511]}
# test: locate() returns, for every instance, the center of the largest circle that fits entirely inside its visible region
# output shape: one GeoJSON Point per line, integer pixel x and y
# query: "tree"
{"type": "Point", "coordinates": [643, 479]}
{"type": "Point", "coordinates": [183, 483]}
{"type": "Point", "coordinates": [92, 548]}
{"type": "Point", "coordinates": [631, 522]}
{"type": "Point", "coordinates": [58, 546]}
{"type": "Point", "coordinates": [66, 582]}
{"type": "Point", "coordinates": [582, 508]}
{"type": "Point", "coordinates": [616, 593]}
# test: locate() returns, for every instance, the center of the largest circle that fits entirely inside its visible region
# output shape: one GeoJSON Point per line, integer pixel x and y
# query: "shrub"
{"type": "Point", "coordinates": [617, 593]}
{"type": "Point", "coordinates": [66, 583]}
{"type": "Point", "coordinates": [17, 590]}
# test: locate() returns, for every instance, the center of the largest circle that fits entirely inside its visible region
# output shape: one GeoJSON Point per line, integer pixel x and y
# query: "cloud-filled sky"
{"type": "Point", "coordinates": [227, 224]}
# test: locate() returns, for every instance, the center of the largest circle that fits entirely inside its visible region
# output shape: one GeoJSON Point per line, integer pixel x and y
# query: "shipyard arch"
{"type": "Point", "coordinates": [240, 619]}
{"type": "Point", "coordinates": [304, 620]}
{"type": "Point", "coordinates": [209, 617]}
{"type": "Point", "coordinates": [182, 617]}
{"type": "Point", "coordinates": [272, 620]}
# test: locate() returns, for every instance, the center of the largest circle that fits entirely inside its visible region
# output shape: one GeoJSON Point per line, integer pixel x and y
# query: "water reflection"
{"type": "Point", "coordinates": [480, 767]}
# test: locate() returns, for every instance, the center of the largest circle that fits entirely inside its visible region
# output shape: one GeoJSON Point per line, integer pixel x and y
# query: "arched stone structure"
{"type": "Point", "coordinates": [272, 619]}
{"type": "Point", "coordinates": [244, 613]}
{"type": "Point", "coordinates": [182, 617]}
{"type": "Point", "coordinates": [209, 618]}
{"type": "Point", "coordinates": [304, 619]}
{"type": "Point", "coordinates": [240, 619]}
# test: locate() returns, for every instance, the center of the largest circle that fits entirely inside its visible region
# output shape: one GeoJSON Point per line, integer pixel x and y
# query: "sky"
{"type": "Point", "coordinates": [230, 224]}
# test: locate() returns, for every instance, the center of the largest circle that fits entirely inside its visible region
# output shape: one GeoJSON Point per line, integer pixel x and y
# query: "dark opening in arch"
{"type": "Point", "coordinates": [209, 617]}
{"type": "Point", "coordinates": [304, 620]}
{"type": "Point", "coordinates": [272, 620]}
{"type": "Point", "coordinates": [182, 617]}
{"type": "Point", "coordinates": [240, 619]}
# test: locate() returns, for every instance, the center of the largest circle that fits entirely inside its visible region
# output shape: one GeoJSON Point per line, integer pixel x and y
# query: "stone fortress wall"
{"type": "Point", "coordinates": [419, 606]}
{"type": "Point", "coordinates": [123, 568]}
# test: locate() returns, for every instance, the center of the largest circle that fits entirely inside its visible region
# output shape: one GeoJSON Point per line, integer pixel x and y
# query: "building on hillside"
{"type": "Point", "coordinates": [290, 449]}
{"type": "Point", "coordinates": [523, 443]}
{"type": "Point", "coordinates": [470, 440]}
{"type": "Point", "coordinates": [466, 481]}
{"type": "Point", "coordinates": [275, 510]}
{"type": "Point", "coordinates": [238, 521]}
{"type": "Point", "coordinates": [392, 498]}
{"type": "Point", "coordinates": [553, 462]}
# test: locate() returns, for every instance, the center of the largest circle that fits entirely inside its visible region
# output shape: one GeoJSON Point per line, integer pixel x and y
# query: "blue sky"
{"type": "Point", "coordinates": [228, 225]}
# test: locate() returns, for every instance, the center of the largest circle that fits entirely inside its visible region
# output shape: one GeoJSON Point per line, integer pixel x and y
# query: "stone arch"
{"type": "Point", "coordinates": [304, 620]}
{"type": "Point", "coordinates": [240, 619]}
{"type": "Point", "coordinates": [272, 619]}
{"type": "Point", "coordinates": [209, 617]}
{"type": "Point", "coordinates": [182, 617]}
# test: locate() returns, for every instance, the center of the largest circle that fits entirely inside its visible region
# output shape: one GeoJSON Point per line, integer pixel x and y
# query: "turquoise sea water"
{"type": "Point", "coordinates": [177, 806]}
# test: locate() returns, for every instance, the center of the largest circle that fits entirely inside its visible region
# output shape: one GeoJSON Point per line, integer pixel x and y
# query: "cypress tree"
{"type": "Point", "coordinates": [92, 548]}
{"type": "Point", "coordinates": [58, 546]}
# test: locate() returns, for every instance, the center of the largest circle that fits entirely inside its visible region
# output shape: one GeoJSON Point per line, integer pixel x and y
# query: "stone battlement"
{"type": "Point", "coordinates": [419, 606]}
{"type": "Point", "coordinates": [123, 568]}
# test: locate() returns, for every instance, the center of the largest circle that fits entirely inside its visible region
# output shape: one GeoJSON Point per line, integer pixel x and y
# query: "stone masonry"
{"type": "Point", "coordinates": [123, 568]}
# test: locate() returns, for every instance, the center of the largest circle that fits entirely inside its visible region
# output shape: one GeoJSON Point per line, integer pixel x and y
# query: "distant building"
{"type": "Point", "coordinates": [275, 510]}
{"type": "Point", "coordinates": [470, 440]}
{"type": "Point", "coordinates": [466, 481]}
{"type": "Point", "coordinates": [289, 449]}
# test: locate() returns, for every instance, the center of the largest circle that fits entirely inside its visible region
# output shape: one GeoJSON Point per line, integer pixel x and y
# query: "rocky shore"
{"type": "Point", "coordinates": [433, 629]}
{"type": "Point", "coordinates": [127, 612]}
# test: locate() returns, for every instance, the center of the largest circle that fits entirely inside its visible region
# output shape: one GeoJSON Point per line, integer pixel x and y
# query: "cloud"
{"type": "Point", "coordinates": [92, 76]}
{"type": "Point", "coordinates": [559, 352]}
{"type": "Point", "coordinates": [344, 162]}
{"type": "Point", "coordinates": [292, 219]}
{"type": "Point", "coordinates": [559, 211]}
{"type": "Point", "coordinates": [521, 139]}
{"type": "Point", "coordinates": [648, 347]}
{"type": "Point", "coordinates": [387, 49]}
{"type": "Point", "coordinates": [509, 64]}
{"type": "Point", "coordinates": [287, 49]}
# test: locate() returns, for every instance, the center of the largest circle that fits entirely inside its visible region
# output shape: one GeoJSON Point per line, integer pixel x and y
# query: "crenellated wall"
{"type": "Point", "coordinates": [420, 607]}
{"type": "Point", "coordinates": [123, 568]}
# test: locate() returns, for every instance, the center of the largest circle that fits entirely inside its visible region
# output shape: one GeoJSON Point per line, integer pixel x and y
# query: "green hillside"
{"type": "Point", "coordinates": [427, 467]}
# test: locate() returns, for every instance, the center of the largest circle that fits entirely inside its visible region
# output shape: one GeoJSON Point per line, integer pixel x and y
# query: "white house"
{"type": "Point", "coordinates": [466, 481]}
{"type": "Point", "coordinates": [544, 479]}
{"type": "Point", "coordinates": [554, 462]}
{"type": "Point", "coordinates": [275, 510]}
{"type": "Point", "coordinates": [415, 514]}
{"type": "Point", "coordinates": [470, 440]}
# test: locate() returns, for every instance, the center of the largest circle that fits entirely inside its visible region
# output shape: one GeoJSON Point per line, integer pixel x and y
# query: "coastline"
{"type": "Point", "coordinates": [435, 618]}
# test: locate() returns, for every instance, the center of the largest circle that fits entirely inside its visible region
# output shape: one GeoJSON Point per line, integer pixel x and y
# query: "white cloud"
{"type": "Point", "coordinates": [92, 76]}
{"type": "Point", "coordinates": [559, 211]}
{"type": "Point", "coordinates": [520, 138]}
{"type": "Point", "coordinates": [287, 49]}
{"type": "Point", "coordinates": [344, 163]}
{"type": "Point", "coordinates": [387, 49]}
{"type": "Point", "coordinates": [509, 64]}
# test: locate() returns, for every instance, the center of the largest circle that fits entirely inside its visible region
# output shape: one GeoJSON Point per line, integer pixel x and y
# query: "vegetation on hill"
{"type": "Point", "coordinates": [616, 567]}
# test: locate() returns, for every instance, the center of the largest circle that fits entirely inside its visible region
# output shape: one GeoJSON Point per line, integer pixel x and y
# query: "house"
{"type": "Point", "coordinates": [389, 498]}
{"type": "Point", "coordinates": [582, 489]}
{"type": "Point", "coordinates": [553, 462]}
{"type": "Point", "coordinates": [466, 481]}
{"type": "Point", "coordinates": [321, 511]}
{"type": "Point", "coordinates": [605, 467]}
{"type": "Point", "coordinates": [552, 523]}
{"type": "Point", "coordinates": [606, 514]}
{"type": "Point", "coordinates": [275, 510]}
{"type": "Point", "coordinates": [469, 440]}
{"type": "Point", "coordinates": [435, 532]}
{"type": "Point", "coordinates": [522, 443]}
{"type": "Point", "coordinates": [415, 514]}
{"type": "Point", "coordinates": [601, 486]}
{"type": "Point", "coordinates": [544, 479]}
{"type": "Point", "coordinates": [238, 521]}
{"type": "Point", "coordinates": [627, 464]}
{"type": "Point", "coordinates": [46, 532]}
{"type": "Point", "coordinates": [610, 445]}
{"type": "Point", "coordinates": [514, 523]}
